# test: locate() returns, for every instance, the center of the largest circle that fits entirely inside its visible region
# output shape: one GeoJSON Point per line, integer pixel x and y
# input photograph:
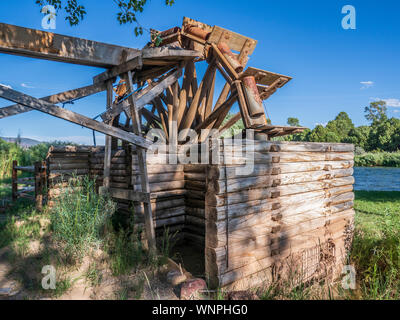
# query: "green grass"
{"type": "Point", "coordinates": [79, 218]}
{"type": "Point", "coordinates": [376, 245]}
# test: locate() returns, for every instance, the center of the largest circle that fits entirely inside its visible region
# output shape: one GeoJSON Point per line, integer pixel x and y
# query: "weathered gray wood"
{"type": "Point", "coordinates": [142, 100]}
{"type": "Point", "coordinates": [135, 63]}
{"type": "Point", "coordinates": [166, 53]}
{"type": "Point", "coordinates": [129, 194]}
{"type": "Point", "coordinates": [54, 99]}
{"type": "Point", "coordinates": [73, 117]}
{"type": "Point", "coordinates": [108, 142]}
{"type": "Point", "coordinates": [142, 163]}
{"type": "Point", "coordinates": [50, 46]}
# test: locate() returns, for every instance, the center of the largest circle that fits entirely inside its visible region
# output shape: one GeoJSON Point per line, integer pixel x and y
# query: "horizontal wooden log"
{"type": "Point", "coordinates": [234, 185]}
{"type": "Point", "coordinates": [160, 206]}
{"type": "Point", "coordinates": [163, 186]}
{"type": "Point", "coordinates": [67, 166]}
{"type": "Point", "coordinates": [262, 264]}
{"type": "Point", "coordinates": [197, 212]}
{"type": "Point", "coordinates": [216, 200]}
{"type": "Point", "coordinates": [240, 256]}
{"type": "Point", "coordinates": [262, 224]}
{"type": "Point", "coordinates": [283, 157]}
{"type": "Point", "coordinates": [285, 146]}
{"type": "Point", "coordinates": [51, 46]}
{"type": "Point", "coordinates": [232, 172]}
{"type": "Point", "coordinates": [157, 178]}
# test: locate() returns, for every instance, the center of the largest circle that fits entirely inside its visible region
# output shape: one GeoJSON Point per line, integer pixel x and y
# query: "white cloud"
{"type": "Point", "coordinates": [321, 124]}
{"type": "Point", "coordinates": [24, 85]}
{"type": "Point", "coordinates": [390, 102]}
{"type": "Point", "coordinates": [366, 84]}
{"type": "Point", "coordinates": [6, 85]}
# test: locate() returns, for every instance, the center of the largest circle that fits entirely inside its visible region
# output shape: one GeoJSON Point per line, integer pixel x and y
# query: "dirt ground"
{"type": "Point", "coordinates": [143, 284]}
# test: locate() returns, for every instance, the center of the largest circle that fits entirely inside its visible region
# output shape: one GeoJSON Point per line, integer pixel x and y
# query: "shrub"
{"type": "Point", "coordinates": [79, 217]}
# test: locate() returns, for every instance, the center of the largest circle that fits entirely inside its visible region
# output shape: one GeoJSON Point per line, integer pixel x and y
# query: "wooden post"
{"type": "Point", "coordinates": [108, 146]}
{"type": "Point", "coordinates": [144, 178]}
{"type": "Point", "coordinates": [44, 176]}
{"type": "Point", "coordinates": [38, 186]}
{"type": "Point", "coordinates": [14, 181]}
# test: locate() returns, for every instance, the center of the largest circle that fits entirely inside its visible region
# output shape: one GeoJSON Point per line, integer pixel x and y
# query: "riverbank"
{"type": "Point", "coordinates": [378, 159]}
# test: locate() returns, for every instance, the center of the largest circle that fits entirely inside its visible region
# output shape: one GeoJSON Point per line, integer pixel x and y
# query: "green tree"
{"type": "Point", "coordinates": [341, 126]}
{"type": "Point", "coordinates": [322, 134]}
{"type": "Point", "coordinates": [376, 112]}
{"type": "Point", "coordinates": [127, 10]}
{"type": "Point", "coordinates": [359, 136]}
{"type": "Point", "coordinates": [294, 122]}
{"type": "Point", "coordinates": [385, 135]}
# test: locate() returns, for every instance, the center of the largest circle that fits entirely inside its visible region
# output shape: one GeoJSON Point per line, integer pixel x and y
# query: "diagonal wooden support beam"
{"type": "Point", "coordinates": [51, 46]}
{"type": "Point", "coordinates": [142, 100]}
{"type": "Point", "coordinates": [54, 99]}
{"type": "Point", "coordinates": [73, 117]}
{"type": "Point", "coordinates": [135, 63]}
{"type": "Point", "coordinates": [224, 108]}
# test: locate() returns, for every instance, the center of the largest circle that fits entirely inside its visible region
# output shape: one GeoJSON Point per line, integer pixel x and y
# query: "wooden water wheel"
{"type": "Point", "coordinates": [172, 96]}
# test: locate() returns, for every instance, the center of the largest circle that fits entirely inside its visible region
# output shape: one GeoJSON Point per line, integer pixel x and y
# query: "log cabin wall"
{"type": "Point", "coordinates": [293, 213]}
{"type": "Point", "coordinates": [195, 186]}
{"type": "Point", "coordinates": [291, 216]}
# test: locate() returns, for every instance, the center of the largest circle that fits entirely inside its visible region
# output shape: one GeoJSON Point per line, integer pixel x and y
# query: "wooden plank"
{"type": "Point", "coordinates": [54, 99]}
{"type": "Point", "coordinates": [236, 41]}
{"type": "Point", "coordinates": [264, 77]}
{"type": "Point", "coordinates": [166, 53]}
{"type": "Point", "coordinates": [73, 117]}
{"type": "Point", "coordinates": [51, 46]}
{"type": "Point", "coordinates": [224, 62]}
{"type": "Point", "coordinates": [129, 195]}
{"type": "Point", "coordinates": [131, 65]}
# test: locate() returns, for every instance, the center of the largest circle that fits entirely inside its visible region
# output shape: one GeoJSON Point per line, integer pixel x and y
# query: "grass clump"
{"type": "Point", "coordinates": [19, 231]}
{"type": "Point", "coordinates": [126, 252]}
{"type": "Point", "coordinates": [376, 246]}
{"type": "Point", "coordinates": [79, 218]}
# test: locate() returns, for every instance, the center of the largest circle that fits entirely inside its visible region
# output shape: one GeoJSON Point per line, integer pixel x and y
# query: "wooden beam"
{"type": "Point", "coordinates": [135, 63]}
{"type": "Point", "coordinates": [193, 109]}
{"type": "Point", "coordinates": [183, 97]}
{"type": "Point", "coordinates": [108, 143]}
{"type": "Point", "coordinates": [229, 124]}
{"type": "Point", "coordinates": [225, 107]}
{"type": "Point", "coordinates": [166, 53]}
{"type": "Point", "coordinates": [70, 116]}
{"type": "Point", "coordinates": [54, 99]}
{"type": "Point", "coordinates": [142, 163]}
{"type": "Point", "coordinates": [143, 100]}
{"type": "Point", "coordinates": [51, 46]}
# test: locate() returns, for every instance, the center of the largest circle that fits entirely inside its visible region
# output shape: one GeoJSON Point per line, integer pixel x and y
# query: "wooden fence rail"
{"type": "Point", "coordinates": [36, 184]}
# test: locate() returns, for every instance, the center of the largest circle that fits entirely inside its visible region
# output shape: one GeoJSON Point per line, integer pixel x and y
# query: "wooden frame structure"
{"type": "Point", "coordinates": [151, 93]}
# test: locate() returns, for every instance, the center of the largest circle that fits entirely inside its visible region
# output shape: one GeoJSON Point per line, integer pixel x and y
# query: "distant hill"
{"type": "Point", "coordinates": [25, 142]}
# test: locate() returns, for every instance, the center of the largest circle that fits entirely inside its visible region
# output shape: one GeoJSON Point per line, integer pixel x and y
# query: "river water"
{"type": "Point", "coordinates": [377, 179]}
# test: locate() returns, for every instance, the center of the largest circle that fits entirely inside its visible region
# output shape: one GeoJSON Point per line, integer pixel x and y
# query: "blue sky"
{"type": "Point", "coordinates": [333, 69]}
